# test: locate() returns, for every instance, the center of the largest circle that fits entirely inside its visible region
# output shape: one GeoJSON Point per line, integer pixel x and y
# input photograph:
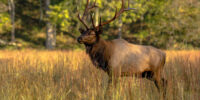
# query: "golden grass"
{"type": "Point", "coordinates": [69, 75]}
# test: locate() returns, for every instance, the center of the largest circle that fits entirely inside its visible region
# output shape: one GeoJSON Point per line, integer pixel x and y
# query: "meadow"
{"type": "Point", "coordinates": [70, 75]}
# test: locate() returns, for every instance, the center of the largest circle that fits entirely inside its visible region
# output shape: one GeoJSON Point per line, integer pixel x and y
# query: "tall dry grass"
{"type": "Point", "coordinates": [69, 75]}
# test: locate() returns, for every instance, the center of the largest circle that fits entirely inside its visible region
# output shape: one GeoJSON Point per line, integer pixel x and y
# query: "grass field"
{"type": "Point", "coordinates": [69, 75]}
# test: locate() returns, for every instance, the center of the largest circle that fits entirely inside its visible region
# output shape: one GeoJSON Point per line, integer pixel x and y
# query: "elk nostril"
{"type": "Point", "coordinates": [79, 39]}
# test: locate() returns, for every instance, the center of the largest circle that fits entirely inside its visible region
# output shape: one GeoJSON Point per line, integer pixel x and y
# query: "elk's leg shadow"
{"type": "Point", "coordinates": [148, 75]}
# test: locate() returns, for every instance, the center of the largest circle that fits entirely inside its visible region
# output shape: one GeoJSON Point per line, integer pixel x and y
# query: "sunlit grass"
{"type": "Point", "coordinates": [69, 75]}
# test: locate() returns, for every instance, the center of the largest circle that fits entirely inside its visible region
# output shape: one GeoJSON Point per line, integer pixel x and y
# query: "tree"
{"type": "Point", "coordinates": [120, 28]}
{"type": "Point", "coordinates": [152, 23]}
{"type": "Point", "coordinates": [50, 29]}
{"type": "Point", "coordinates": [12, 17]}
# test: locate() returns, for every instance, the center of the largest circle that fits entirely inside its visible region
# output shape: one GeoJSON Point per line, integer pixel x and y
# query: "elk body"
{"type": "Point", "coordinates": [119, 57]}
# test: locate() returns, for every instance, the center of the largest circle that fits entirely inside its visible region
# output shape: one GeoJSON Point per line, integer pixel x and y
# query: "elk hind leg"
{"type": "Point", "coordinates": [160, 83]}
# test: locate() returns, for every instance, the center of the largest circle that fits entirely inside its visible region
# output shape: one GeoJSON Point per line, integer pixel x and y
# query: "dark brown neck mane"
{"type": "Point", "coordinates": [100, 53]}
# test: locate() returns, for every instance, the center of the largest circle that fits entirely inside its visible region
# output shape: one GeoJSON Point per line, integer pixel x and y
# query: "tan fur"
{"type": "Point", "coordinates": [119, 57]}
{"type": "Point", "coordinates": [134, 59]}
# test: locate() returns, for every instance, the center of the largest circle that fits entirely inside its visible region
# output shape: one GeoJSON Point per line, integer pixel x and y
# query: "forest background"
{"type": "Point", "coordinates": [53, 24]}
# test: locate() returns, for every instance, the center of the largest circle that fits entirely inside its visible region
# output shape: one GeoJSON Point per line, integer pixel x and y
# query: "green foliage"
{"type": "Point", "coordinates": [177, 22]}
{"type": "Point", "coordinates": [161, 23]}
{"type": "Point", "coordinates": [4, 21]}
{"type": "Point", "coordinates": [59, 16]}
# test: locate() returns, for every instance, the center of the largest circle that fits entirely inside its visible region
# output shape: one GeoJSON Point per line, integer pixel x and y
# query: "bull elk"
{"type": "Point", "coordinates": [119, 57]}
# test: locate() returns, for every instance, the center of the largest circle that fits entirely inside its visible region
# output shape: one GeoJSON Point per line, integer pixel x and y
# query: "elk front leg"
{"type": "Point", "coordinates": [108, 89]}
{"type": "Point", "coordinates": [112, 82]}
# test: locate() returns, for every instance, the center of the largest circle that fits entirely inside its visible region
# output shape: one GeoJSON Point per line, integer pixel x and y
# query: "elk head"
{"type": "Point", "coordinates": [90, 36]}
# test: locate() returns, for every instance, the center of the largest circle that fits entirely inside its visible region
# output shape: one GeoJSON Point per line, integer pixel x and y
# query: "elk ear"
{"type": "Point", "coordinates": [99, 31]}
{"type": "Point", "coordinates": [81, 30]}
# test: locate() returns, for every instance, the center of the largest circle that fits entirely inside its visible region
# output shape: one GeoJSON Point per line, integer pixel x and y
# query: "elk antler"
{"type": "Point", "coordinates": [92, 20]}
{"type": "Point", "coordinates": [117, 14]}
{"type": "Point", "coordinates": [87, 8]}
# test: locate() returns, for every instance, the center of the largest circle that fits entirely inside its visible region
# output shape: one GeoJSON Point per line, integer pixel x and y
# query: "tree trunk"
{"type": "Point", "coordinates": [50, 31]}
{"type": "Point", "coordinates": [41, 10]}
{"type": "Point", "coordinates": [120, 28]}
{"type": "Point", "coordinates": [97, 17]}
{"type": "Point", "coordinates": [12, 16]}
{"type": "Point", "coordinates": [50, 36]}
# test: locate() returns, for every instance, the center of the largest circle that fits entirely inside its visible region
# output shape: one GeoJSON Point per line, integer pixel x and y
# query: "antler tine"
{"type": "Point", "coordinates": [92, 20]}
{"type": "Point", "coordinates": [87, 8]}
{"type": "Point", "coordinates": [100, 24]}
{"type": "Point", "coordinates": [93, 6]}
{"type": "Point", "coordinates": [117, 14]}
{"type": "Point", "coordinates": [82, 21]}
